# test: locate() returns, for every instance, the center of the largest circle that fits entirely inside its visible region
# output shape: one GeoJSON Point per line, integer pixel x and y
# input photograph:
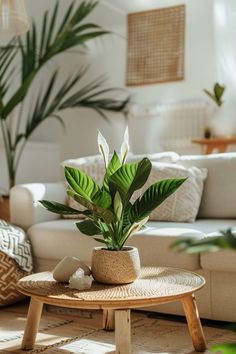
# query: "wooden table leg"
{"type": "Point", "coordinates": [222, 148]}
{"type": "Point", "coordinates": [108, 320]}
{"type": "Point", "coordinates": [208, 149]}
{"type": "Point", "coordinates": [32, 324]}
{"type": "Point", "coordinates": [122, 332]}
{"type": "Point", "coordinates": [194, 323]}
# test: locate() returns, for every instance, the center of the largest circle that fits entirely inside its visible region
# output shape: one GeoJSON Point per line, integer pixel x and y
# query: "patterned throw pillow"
{"type": "Point", "coordinates": [15, 261]}
{"type": "Point", "coordinates": [10, 273]}
{"type": "Point", "coordinates": [183, 205]}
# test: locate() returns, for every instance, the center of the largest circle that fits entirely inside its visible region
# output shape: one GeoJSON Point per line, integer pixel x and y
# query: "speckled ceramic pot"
{"type": "Point", "coordinates": [115, 267]}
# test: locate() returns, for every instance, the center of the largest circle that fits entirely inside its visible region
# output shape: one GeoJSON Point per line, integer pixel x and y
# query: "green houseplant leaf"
{"type": "Point", "coordinates": [81, 183]}
{"type": "Point", "coordinates": [226, 240]}
{"type": "Point", "coordinates": [130, 177]}
{"type": "Point", "coordinates": [88, 227]}
{"type": "Point", "coordinates": [153, 197]}
{"type": "Point", "coordinates": [103, 213]}
{"type": "Point", "coordinates": [62, 209]}
{"type": "Point", "coordinates": [219, 91]}
{"type": "Point", "coordinates": [225, 348]}
{"type": "Point", "coordinates": [113, 166]}
{"type": "Point", "coordinates": [216, 95]}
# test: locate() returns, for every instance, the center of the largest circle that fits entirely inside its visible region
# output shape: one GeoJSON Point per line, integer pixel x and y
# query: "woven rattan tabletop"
{"type": "Point", "coordinates": [155, 285]}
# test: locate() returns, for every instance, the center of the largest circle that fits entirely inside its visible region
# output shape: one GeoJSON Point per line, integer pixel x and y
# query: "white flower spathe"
{"type": "Point", "coordinates": [103, 148]}
{"type": "Point", "coordinates": [124, 150]}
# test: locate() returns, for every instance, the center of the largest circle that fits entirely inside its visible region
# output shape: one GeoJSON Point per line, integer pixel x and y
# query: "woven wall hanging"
{"type": "Point", "coordinates": [156, 46]}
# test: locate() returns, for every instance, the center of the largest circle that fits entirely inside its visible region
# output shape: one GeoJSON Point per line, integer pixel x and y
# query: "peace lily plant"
{"type": "Point", "coordinates": [111, 217]}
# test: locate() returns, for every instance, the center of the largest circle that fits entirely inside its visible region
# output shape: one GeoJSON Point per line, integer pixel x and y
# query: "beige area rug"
{"type": "Point", "coordinates": [81, 333]}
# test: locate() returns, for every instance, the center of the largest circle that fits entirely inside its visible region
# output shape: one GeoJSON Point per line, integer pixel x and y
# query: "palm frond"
{"type": "Point", "coordinates": [55, 100]}
{"type": "Point", "coordinates": [35, 53]}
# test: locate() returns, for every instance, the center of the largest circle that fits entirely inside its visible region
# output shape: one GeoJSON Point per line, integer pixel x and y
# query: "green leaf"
{"type": "Point", "coordinates": [113, 166]}
{"type": "Point", "coordinates": [225, 348]}
{"type": "Point", "coordinates": [212, 96]}
{"type": "Point", "coordinates": [18, 96]}
{"type": "Point", "coordinates": [88, 227]}
{"type": "Point", "coordinates": [102, 213]}
{"type": "Point", "coordinates": [61, 209]}
{"type": "Point", "coordinates": [126, 220]}
{"type": "Point", "coordinates": [216, 95]}
{"type": "Point", "coordinates": [227, 240]}
{"type": "Point", "coordinates": [219, 91]}
{"type": "Point", "coordinates": [106, 242]}
{"type": "Point", "coordinates": [43, 34]}
{"type": "Point", "coordinates": [81, 183]}
{"type": "Point", "coordinates": [130, 177]}
{"type": "Point", "coordinates": [52, 25]}
{"type": "Point", "coordinates": [103, 199]}
{"type": "Point", "coordinates": [153, 197]}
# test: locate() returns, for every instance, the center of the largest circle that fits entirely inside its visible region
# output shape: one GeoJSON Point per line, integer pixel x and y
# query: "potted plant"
{"type": "Point", "coordinates": [223, 116]}
{"type": "Point", "coordinates": [111, 217]}
{"type": "Point", "coordinates": [217, 94]}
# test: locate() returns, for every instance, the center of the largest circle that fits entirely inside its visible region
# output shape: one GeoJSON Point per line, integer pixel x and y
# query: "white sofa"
{"type": "Point", "coordinates": [52, 238]}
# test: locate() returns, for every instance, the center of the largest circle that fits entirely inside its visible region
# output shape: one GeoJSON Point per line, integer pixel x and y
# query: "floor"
{"type": "Point", "coordinates": [65, 331]}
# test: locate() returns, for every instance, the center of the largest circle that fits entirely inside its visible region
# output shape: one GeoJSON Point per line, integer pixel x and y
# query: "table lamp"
{"type": "Point", "coordinates": [13, 17]}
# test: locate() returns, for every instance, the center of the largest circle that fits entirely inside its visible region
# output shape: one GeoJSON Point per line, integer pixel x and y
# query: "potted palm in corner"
{"type": "Point", "coordinates": [26, 56]}
{"type": "Point", "coordinates": [110, 216]}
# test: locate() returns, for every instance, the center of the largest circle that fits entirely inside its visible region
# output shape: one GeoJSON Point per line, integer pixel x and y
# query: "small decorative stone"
{"type": "Point", "coordinates": [67, 266]}
{"type": "Point", "coordinates": [80, 281]}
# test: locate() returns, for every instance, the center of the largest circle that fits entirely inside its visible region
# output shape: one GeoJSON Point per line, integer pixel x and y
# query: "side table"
{"type": "Point", "coordinates": [220, 144]}
{"type": "Point", "coordinates": [156, 285]}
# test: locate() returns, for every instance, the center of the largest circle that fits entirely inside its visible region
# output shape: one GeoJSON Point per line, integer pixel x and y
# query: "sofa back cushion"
{"type": "Point", "coordinates": [94, 164]}
{"type": "Point", "coordinates": [219, 195]}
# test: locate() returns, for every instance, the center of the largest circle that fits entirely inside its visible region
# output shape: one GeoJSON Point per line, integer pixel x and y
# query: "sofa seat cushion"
{"type": "Point", "coordinates": [224, 261]}
{"type": "Point", "coordinates": [59, 238]}
{"type": "Point", "coordinates": [206, 226]}
{"type": "Point", "coordinates": [54, 240]}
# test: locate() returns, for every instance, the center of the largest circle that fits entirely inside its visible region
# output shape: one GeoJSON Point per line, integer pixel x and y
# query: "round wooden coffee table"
{"type": "Point", "coordinates": [156, 285]}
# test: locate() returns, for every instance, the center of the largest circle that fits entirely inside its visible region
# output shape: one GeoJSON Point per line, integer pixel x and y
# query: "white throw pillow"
{"type": "Point", "coordinates": [183, 205]}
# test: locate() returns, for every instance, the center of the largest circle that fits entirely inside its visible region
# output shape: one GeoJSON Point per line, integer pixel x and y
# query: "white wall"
{"type": "Point", "coordinates": [108, 55]}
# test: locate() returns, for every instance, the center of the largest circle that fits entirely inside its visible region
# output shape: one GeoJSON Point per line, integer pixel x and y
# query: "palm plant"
{"type": "Point", "coordinates": [111, 217]}
{"type": "Point", "coordinates": [33, 52]}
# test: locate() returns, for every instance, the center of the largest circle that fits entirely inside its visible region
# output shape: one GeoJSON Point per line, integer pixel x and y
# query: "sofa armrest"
{"type": "Point", "coordinates": [23, 209]}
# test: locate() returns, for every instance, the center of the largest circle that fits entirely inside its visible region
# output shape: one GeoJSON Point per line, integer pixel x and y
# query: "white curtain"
{"type": "Point", "coordinates": [225, 45]}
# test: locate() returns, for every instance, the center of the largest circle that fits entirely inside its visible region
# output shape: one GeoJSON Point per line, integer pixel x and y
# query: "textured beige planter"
{"type": "Point", "coordinates": [115, 267]}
